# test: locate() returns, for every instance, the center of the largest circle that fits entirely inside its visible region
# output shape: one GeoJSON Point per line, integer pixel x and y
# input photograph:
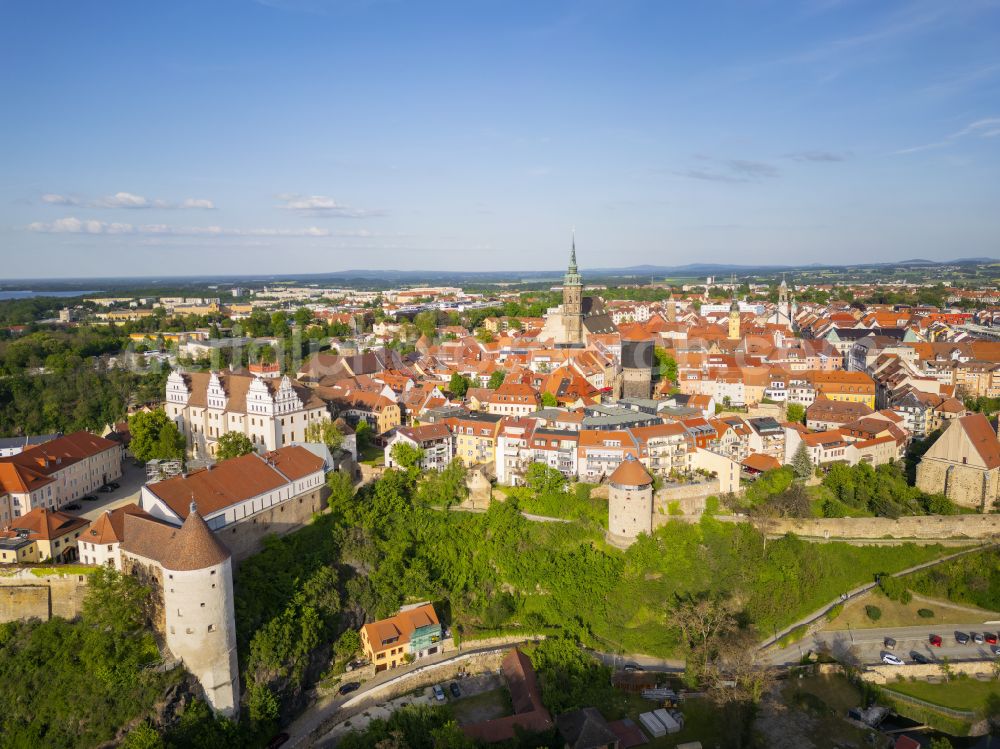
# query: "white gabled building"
{"type": "Point", "coordinates": [272, 411]}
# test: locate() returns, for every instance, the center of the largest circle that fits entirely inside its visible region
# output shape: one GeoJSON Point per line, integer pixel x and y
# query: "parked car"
{"type": "Point", "coordinates": [72, 506]}
{"type": "Point", "coordinates": [277, 741]}
{"type": "Point", "coordinates": [996, 650]}
{"type": "Point", "coordinates": [438, 693]}
{"type": "Point", "coordinates": [106, 489]}
{"type": "Point", "coordinates": [89, 498]}
{"type": "Point", "coordinates": [919, 657]}
{"type": "Point", "coordinates": [892, 660]}
{"type": "Point", "coordinates": [991, 637]}
{"type": "Point", "coordinates": [114, 485]}
{"type": "Point", "coordinates": [630, 667]}
{"type": "Point", "coordinates": [936, 640]}
{"type": "Point", "coordinates": [348, 687]}
{"type": "Point", "coordinates": [977, 638]}
{"type": "Point", "coordinates": [961, 638]}
{"type": "Point", "coordinates": [455, 691]}
{"type": "Point", "coordinates": [889, 643]}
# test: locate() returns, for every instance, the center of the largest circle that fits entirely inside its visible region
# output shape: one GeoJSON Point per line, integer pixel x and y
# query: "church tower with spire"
{"type": "Point", "coordinates": [572, 307]}
{"type": "Point", "coordinates": [734, 317]}
{"type": "Point", "coordinates": [783, 305]}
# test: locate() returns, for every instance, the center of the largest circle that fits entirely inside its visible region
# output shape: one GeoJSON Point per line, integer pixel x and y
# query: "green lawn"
{"type": "Point", "coordinates": [373, 455]}
{"type": "Point", "coordinates": [959, 694]}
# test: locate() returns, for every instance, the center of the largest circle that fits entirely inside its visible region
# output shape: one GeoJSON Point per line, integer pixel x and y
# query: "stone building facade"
{"type": "Point", "coordinates": [964, 464]}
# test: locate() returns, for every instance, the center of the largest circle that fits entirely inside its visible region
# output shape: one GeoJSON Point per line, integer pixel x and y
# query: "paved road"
{"type": "Point", "coordinates": [310, 724]}
{"type": "Point", "coordinates": [867, 645]}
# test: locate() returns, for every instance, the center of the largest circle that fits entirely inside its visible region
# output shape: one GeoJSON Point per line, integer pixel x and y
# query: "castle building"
{"type": "Point", "coordinates": [630, 502]}
{"type": "Point", "coordinates": [191, 574]}
{"type": "Point", "coordinates": [272, 411]}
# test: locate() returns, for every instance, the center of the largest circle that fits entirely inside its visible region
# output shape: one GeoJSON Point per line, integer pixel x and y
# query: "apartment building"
{"type": "Point", "coordinates": [57, 472]}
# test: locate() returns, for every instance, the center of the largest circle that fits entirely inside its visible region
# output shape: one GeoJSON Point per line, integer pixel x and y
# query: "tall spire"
{"type": "Point", "coordinates": [572, 253]}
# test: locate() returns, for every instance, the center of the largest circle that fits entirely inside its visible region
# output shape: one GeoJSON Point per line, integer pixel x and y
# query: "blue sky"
{"type": "Point", "coordinates": [233, 136]}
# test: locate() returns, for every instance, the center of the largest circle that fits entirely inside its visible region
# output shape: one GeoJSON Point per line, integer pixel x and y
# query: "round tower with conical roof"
{"type": "Point", "coordinates": [200, 615]}
{"type": "Point", "coordinates": [630, 502]}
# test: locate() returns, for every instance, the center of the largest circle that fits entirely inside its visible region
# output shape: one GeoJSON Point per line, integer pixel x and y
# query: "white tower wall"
{"type": "Point", "coordinates": [201, 630]}
{"type": "Point", "coordinates": [630, 511]}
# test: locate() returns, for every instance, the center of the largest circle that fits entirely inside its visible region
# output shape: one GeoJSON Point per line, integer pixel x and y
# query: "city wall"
{"type": "Point", "coordinates": [978, 527]}
{"type": "Point", "coordinates": [24, 595]}
{"type": "Point", "coordinates": [245, 538]}
{"type": "Point", "coordinates": [888, 675]}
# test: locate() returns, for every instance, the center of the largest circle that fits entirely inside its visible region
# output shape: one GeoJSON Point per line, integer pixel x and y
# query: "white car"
{"type": "Point", "coordinates": [892, 660]}
{"type": "Point", "coordinates": [438, 693]}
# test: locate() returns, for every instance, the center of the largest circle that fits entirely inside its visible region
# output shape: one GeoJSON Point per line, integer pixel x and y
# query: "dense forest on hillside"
{"type": "Point", "coordinates": [499, 572]}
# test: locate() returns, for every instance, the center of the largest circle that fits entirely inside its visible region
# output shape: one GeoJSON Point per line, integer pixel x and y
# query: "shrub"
{"type": "Point", "coordinates": [894, 589]}
{"type": "Point", "coordinates": [834, 612]}
{"type": "Point", "coordinates": [925, 613]}
{"type": "Point", "coordinates": [873, 612]}
{"type": "Point", "coordinates": [712, 505]}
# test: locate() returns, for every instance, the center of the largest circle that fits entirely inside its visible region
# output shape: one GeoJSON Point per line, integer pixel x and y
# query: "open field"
{"type": "Point", "coordinates": [958, 694]}
{"type": "Point", "coordinates": [896, 614]}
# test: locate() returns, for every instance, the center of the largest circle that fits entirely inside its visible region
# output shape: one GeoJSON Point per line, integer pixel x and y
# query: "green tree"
{"type": "Point", "coordinates": [795, 412]}
{"type": "Point", "coordinates": [341, 487]}
{"type": "Point", "coordinates": [484, 336]}
{"type": "Point", "coordinates": [363, 435]}
{"type": "Point", "coordinates": [143, 736]}
{"type": "Point", "coordinates": [406, 455]}
{"type": "Point", "coordinates": [549, 400]}
{"type": "Point", "coordinates": [801, 463]}
{"type": "Point", "coordinates": [458, 385]}
{"type": "Point", "coordinates": [325, 432]}
{"type": "Point", "coordinates": [303, 316]}
{"type": "Point", "coordinates": [496, 379]}
{"type": "Point", "coordinates": [544, 479]}
{"type": "Point", "coordinates": [347, 644]}
{"type": "Point", "coordinates": [666, 364]}
{"type": "Point", "coordinates": [426, 323]}
{"type": "Point", "coordinates": [233, 445]}
{"type": "Point", "coordinates": [155, 436]}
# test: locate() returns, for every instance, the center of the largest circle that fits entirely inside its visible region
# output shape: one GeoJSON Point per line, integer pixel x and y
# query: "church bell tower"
{"type": "Point", "coordinates": [572, 307]}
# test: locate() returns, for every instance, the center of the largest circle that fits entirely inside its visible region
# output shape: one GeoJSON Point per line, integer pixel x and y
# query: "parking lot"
{"type": "Point", "coordinates": [131, 481]}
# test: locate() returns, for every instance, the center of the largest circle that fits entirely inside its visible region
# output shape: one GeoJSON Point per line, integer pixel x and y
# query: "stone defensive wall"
{"type": "Point", "coordinates": [888, 675]}
{"type": "Point", "coordinates": [24, 595]}
{"type": "Point", "coordinates": [978, 527]}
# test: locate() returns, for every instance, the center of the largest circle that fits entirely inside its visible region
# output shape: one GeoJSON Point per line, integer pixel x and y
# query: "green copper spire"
{"type": "Point", "coordinates": [572, 274]}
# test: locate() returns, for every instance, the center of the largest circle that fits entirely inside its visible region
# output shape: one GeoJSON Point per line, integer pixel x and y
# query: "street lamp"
{"type": "Point", "coordinates": [851, 631]}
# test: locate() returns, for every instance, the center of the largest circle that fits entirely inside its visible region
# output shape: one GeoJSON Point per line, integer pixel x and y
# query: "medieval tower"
{"type": "Point", "coordinates": [192, 570]}
{"type": "Point", "coordinates": [630, 502]}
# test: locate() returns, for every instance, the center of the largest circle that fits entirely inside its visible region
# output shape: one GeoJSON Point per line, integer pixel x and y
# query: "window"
{"type": "Point", "coordinates": [213, 627]}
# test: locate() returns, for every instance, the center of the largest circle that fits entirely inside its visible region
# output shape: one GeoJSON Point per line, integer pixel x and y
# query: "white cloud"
{"type": "Point", "coordinates": [321, 205]}
{"type": "Point", "coordinates": [52, 198]}
{"type": "Point", "coordinates": [122, 200]}
{"type": "Point", "coordinates": [203, 203]}
{"type": "Point", "coordinates": [129, 200]}
{"type": "Point", "coordinates": [92, 226]}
